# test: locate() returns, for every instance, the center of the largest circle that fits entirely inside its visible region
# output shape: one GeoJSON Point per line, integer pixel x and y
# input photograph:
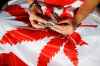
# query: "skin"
{"type": "Point", "coordinates": [85, 10]}
{"type": "Point", "coordinates": [29, 1]}
{"type": "Point", "coordinates": [70, 28]}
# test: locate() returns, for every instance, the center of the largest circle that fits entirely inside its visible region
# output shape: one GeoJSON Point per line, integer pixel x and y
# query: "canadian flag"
{"type": "Point", "coordinates": [24, 47]}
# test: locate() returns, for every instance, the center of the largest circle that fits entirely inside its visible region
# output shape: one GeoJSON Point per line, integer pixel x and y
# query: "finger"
{"type": "Point", "coordinates": [37, 25]}
{"type": "Point", "coordinates": [66, 22]}
{"type": "Point", "coordinates": [63, 29]}
{"type": "Point", "coordinates": [57, 30]}
{"type": "Point", "coordinates": [38, 19]}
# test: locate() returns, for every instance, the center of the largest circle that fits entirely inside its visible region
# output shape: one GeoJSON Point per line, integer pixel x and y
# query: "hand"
{"type": "Point", "coordinates": [37, 21]}
{"type": "Point", "coordinates": [63, 28]}
{"type": "Point", "coordinates": [71, 22]}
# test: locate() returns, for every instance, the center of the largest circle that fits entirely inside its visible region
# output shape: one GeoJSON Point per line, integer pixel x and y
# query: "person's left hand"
{"type": "Point", "coordinates": [64, 27]}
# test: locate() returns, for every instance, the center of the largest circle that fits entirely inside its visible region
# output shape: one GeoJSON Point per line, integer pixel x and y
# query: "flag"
{"type": "Point", "coordinates": [34, 47]}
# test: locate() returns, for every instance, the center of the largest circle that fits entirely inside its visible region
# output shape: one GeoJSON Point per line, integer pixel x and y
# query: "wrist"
{"type": "Point", "coordinates": [75, 24]}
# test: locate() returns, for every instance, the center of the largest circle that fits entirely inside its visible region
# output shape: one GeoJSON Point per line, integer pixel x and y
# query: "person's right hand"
{"type": "Point", "coordinates": [37, 22]}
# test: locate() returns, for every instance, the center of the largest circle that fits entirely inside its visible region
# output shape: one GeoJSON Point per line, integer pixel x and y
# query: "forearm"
{"type": "Point", "coordinates": [29, 1]}
{"type": "Point", "coordinates": [85, 9]}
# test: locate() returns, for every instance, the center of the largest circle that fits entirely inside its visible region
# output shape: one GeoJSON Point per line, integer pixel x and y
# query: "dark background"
{"type": "Point", "coordinates": [2, 3]}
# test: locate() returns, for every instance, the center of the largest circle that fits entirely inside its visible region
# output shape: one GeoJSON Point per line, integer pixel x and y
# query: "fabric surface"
{"type": "Point", "coordinates": [26, 47]}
